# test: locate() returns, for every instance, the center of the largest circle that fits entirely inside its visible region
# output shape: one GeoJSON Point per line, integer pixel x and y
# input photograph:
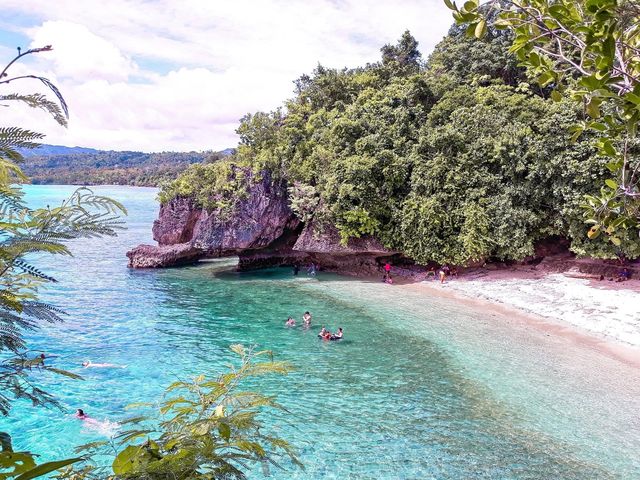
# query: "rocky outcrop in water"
{"type": "Point", "coordinates": [150, 256]}
{"type": "Point", "coordinates": [262, 231]}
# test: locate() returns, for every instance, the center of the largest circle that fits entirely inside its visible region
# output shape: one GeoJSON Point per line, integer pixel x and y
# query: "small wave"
{"type": "Point", "coordinates": [103, 427]}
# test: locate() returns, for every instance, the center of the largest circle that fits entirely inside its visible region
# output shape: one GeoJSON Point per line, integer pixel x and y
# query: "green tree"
{"type": "Point", "coordinates": [588, 51]}
{"type": "Point", "coordinates": [459, 160]}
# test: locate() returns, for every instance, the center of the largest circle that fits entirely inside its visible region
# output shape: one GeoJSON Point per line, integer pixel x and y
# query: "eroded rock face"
{"type": "Point", "coordinates": [176, 221]}
{"type": "Point", "coordinates": [325, 239]}
{"type": "Point", "coordinates": [259, 221]}
{"type": "Point", "coordinates": [262, 231]}
{"type": "Point", "coordinates": [186, 232]}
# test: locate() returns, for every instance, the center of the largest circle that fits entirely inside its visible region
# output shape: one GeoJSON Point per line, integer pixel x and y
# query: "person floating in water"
{"type": "Point", "coordinates": [290, 322]}
{"type": "Point", "coordinates": [337, 335]}
{"type": "Point", "coordinates": [323, 332]}
{"type": "Point", "coordinates": [296, 269]}
{"type": "Point", "coordinates": [306, 318]}
{"type": "Point", "coordinates": [81, 415]}
{"type": "Point", "coordinates": [90, 364]}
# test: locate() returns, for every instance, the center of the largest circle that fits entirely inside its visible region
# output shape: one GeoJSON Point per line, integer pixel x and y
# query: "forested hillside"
{"type": "Point", "coordinates": [456, 159]}
{"type": "Point", "coordinates": [78, 166]}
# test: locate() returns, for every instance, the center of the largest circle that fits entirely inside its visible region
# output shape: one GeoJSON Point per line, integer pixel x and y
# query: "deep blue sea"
{"type": "Point", "coordinates": [421, 387]}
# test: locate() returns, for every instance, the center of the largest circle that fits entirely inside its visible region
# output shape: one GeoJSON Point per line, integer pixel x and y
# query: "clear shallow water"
{"type": "Point", "coordinates": [420, 388]}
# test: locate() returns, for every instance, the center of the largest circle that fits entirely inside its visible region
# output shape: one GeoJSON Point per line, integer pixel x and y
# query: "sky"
{"type": "Point", "coordinates": [160, 75]}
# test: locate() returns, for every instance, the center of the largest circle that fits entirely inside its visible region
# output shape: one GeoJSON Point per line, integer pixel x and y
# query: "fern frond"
{"type": "Point", "coordinates": [37, 100]}
{"type": "Point", "coordinates": [42, 311]}
{"type": "Point", "coordinates": [13, 137]}
{"type": "Point", "coordinates": [31, 270]}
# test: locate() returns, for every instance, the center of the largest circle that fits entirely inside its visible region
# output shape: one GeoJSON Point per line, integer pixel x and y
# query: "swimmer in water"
{"type": "Point", "coordinates": [306, 318]}
{"type": "Point", "coordinates": [81, 415]}
{"type": "Point", "coordinates": [337, 335]}
{"type": "Point", "coordinates": [89, 364]}
{"type": "Point", "coordinates": [290, 322]}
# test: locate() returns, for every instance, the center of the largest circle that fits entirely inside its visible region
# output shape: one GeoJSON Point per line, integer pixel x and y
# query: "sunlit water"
{"type": "Point", "coordinates": [420, 388]}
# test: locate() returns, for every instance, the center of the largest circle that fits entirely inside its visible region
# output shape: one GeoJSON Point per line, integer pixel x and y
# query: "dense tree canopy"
{"type": "Point", "coordinates": [586, 51]}
{"type": "Point", "coordinates": [455, 160]}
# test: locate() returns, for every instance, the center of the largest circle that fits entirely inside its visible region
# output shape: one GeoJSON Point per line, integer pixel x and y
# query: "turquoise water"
{"type": "Point", "coordinates": [421, 388]}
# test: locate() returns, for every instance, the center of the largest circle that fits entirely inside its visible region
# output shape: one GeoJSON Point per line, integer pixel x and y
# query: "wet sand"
{"type": "Point", "coordinates": [599, 315]}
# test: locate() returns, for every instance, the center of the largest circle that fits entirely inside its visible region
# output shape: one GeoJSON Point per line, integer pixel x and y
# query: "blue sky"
{"type": "Point", "coordinates": [177, 75]}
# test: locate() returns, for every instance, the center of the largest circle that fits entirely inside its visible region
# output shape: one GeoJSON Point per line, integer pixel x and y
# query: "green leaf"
{"type": "Point", "coordinates": [48, 467]}
{"type": "Point", "coordinates": [225, 431]}
{"type": "Point", "coordinates": [470, 5]}
{"type": "Point", "coordinates": [64, 373]}
{"type": "Point", "coordinates": [450, 5]}
{"type": "Point", "coordinates": [546, 78]}
{"type": "Point", "coordinates": [632, 97]}
{"type": "Point", "coordinates": [556, 96]}
{"type": "Point", "coordinates": [593, 108]}
{"type": "Point", "coordinates": [601, 127]}
{"type": "Point", "coordinates": [127, 459]}
{"type": "Point", "coordinates": [616, 241]}
{"type": "Point", "coordinates": [611, 184]}
{"type": "Point", "coordinates": [481, 29]}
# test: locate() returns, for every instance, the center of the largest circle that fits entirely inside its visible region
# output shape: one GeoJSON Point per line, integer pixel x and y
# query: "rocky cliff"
{"type": "Point", "coordinates": [261, 230]}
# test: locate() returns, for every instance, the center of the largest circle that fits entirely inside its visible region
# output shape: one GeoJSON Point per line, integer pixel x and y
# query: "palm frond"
{"type": "Point", "coordinates": [37, 100]}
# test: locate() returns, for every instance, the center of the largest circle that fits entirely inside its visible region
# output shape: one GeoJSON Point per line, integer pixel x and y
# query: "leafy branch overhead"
{"type": "Point", "coordinates": [206, 428]}
{"type": "Point", "coordinates": [25, 231]}
{"type": "Point", "coordinates": [588, 51]}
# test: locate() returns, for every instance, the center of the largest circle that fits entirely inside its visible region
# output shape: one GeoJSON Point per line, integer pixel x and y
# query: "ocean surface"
{"type": "Point", "coordinates": [420, 388]}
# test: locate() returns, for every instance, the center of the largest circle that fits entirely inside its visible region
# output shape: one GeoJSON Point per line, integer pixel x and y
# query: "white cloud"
{"type": "Point", "coordinates": [179, 74]}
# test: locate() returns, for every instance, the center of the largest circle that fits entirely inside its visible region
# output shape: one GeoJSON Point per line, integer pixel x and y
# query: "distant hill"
{"type": "Point", "coordinates": [48, 150]}
{"type": "Point", "coordinates": [54, 164]}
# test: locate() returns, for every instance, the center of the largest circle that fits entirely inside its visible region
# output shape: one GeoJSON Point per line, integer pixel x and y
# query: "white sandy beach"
{"type": "Point", "coordinates": [605, 309]}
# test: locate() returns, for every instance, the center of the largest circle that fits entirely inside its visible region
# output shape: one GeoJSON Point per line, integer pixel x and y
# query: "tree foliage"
{"type": "Point", "coordinates": [457, 160]}
{"type": "Point", "coordinates": [588, 51]}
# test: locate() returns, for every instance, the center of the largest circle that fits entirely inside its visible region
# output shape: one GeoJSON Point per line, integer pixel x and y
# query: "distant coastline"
{"type": "Point", "coordinates": [59, 165]}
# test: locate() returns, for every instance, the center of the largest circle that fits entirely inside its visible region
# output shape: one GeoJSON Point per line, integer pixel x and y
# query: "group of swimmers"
{"type": "Point", "coordinates": [306, 323]}
{"type": "Point", "coordinates": [327, 335]}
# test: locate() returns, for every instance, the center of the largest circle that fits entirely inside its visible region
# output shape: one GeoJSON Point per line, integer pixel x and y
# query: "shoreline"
{"type": "Point", "coordinates": [553, 304]}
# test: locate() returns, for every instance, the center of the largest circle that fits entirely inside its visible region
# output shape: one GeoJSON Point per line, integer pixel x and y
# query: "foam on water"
{"type": "Point", "coordinates": [419, 388]}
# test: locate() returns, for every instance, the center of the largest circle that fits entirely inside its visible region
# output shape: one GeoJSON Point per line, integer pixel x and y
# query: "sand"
{"type": "Point", "coordinates": [603, 313]}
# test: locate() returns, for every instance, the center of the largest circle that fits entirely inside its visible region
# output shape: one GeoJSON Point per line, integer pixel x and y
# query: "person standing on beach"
{"type": "Point", "coordinates": [444, 271]}
{"type": "Point", "coordinates": [387, 268]}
